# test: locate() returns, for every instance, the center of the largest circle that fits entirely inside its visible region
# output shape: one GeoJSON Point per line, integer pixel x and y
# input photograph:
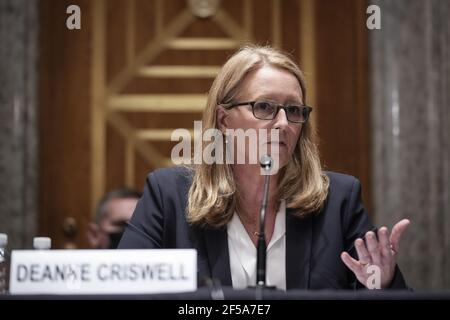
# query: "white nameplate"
{"type": "Point", "coordinates": [103, 271]}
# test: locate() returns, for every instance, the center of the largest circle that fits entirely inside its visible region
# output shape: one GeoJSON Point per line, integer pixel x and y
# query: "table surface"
{"type": "Point", "coordinates": [227, 293]}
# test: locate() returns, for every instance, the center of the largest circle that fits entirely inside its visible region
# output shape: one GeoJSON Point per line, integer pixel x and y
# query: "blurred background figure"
{"type": "Point", "coordinates": [113, 212]}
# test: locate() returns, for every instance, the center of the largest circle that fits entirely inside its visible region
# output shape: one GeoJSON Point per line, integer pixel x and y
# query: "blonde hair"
{"type": "Point", "coordinates": [213, 194]}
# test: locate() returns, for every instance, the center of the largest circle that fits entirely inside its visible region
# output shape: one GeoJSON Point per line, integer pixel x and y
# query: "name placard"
{"type": "Point", "coordinates": [103, 271]}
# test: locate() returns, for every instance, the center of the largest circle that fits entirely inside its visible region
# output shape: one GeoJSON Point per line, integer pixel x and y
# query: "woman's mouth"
{"type": "Point", "coordinates": [279, 143]}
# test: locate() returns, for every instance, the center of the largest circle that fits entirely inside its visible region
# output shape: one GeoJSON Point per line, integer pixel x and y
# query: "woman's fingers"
{"type": "Point", "coordinates": [383, 238]}
{"type": "Point", "coordinates": [373, 248]}
{"type": "Point", "coordinates": [363, 254]}
{"type": "Point", "coordinates": [351, 263]}
{"type": "Point", "coordinates": [378, 252]}
{"type": "Point", "coordinates": [397, 232]}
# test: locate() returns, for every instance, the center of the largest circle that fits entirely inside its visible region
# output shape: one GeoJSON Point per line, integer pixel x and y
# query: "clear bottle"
{"type": "Point", "coordinates": [42, 243]}
{"type": "Point", "coordinates": [4, 264]}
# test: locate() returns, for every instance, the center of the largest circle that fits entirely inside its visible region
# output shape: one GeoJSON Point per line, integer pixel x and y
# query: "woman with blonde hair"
{"type": "Point", "coordinates": [317, 232]}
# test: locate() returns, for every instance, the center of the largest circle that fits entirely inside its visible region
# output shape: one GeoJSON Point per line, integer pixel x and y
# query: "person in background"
{"type": "Point", "coordinates": [113, 212]}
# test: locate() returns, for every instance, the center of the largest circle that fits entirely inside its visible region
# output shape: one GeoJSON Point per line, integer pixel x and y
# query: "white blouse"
{"type": "Point", "coordinates": [242, 252]}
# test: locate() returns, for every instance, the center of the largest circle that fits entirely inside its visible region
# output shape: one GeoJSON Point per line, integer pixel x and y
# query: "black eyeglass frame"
{"type": "Point", "coordinates": [252, 104]}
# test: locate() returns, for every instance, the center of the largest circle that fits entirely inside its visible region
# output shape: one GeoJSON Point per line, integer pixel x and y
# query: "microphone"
{"type": "Point", "coordinates": [266, 165]}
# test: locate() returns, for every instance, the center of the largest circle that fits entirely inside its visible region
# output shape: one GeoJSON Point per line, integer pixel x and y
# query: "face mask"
{"type": "Point", "coordinates": [114, 239]}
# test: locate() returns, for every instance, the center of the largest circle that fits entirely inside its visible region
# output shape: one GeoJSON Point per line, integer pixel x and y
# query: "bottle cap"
{"type": "Point", "coordinates": [42, 243]}
{"type": "Point", "coordinates": [3, 240]}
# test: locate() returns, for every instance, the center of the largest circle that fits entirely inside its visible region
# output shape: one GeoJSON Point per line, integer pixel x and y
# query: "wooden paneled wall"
{"type": "Point", "coordinates": [342, 89]}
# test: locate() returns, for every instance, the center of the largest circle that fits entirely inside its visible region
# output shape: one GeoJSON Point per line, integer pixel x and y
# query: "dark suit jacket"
{"type": "Point", "coordinates": [313, 245]}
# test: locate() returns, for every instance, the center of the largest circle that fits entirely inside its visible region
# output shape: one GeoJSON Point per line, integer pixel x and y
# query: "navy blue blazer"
{"type": "Point", "coordinates": [313, 244]}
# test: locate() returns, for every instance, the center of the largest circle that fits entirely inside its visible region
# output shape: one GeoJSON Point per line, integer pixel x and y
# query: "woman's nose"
{"type": "Point", "coordinates": [281, 120]}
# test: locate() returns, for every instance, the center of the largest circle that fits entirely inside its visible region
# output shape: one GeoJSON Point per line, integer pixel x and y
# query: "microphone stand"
{"type": "Point", "coordinates": [261, 259]}
{"type": "Point", "coordinates": [261, 244]}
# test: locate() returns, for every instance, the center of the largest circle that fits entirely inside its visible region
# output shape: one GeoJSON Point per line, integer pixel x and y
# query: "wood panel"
{"type": "Point", "coordinates": [342, 99]}
{"type": "Point", "coordinates": [64, 117]}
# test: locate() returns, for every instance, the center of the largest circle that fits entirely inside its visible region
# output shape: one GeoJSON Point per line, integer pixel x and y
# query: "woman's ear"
{"type": "Point", "coordinates": [222, 118]}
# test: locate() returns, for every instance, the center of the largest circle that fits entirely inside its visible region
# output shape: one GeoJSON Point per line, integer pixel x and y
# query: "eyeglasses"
{"type": "Point", "coordinates": [268, 110]}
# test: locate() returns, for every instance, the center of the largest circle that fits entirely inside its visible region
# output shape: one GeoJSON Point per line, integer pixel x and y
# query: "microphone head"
{"type": "Point", "coordinates": [266, 162]}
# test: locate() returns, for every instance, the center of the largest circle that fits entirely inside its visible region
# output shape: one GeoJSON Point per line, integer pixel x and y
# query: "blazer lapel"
{"type": "Point", "coordinates": [298, 251]}
{"type": "Point", "coordinates": [218, 256]}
